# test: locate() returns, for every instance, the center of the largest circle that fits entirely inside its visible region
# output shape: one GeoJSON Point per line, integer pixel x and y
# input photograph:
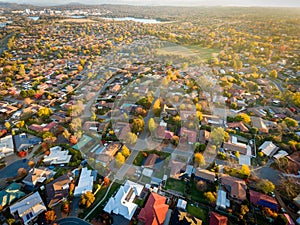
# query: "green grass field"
{"type": "Point", "coordinates": [189, 51]}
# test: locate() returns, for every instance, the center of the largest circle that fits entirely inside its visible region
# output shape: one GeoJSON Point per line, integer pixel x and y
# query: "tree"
{"type": "Point", "coordinates": [211, 198]}
{"type": "Point", "coordinates": [120, 159]}
{"type": "Point", "coordinates": [157, 108]}
{"type": "Point", "coordinates": [50, 216]}
{"type": "Point", "coordinates": [131, 138]}
{"type": "Point", "coordinates": [217, 136]}
{"type": "Point", "coordinates": [265, 186]}
{"type": "Point", "coordinates": [243, 211]}
{"type": "Point", "coordinates": [22, 172]}
{"type": "Point", "coordinates": [125, 151]}
{"type": "Point", "coordinates": [106, 181]}
{"type": "Point", "coordinates": [151, 125]}
{"type": "Point", "coordinates": [199, 159]}
{"type": "Point", "coordinates": [245, 170]}
{"type": "Point", "coordinates": [66, 134]}
{"type": "Point", "coordinates": [31, 164]}
{"type": "Point", "coordinates": [137, 125]}
{"type": "Point", "coordinates": [44, 112]}
{"type": "Point", "coordinates": [66, 207]}
{"type": "Point", "coordinates": [243, 117]}
{"type": "Point", "coordinates": [7, 125]}
{"type": "Point", "coordinates": [73, 139]}
{"type": "Point", "coordinates": [273, 74]}
{"type": "Point", "coordinates": [20, 124]}
{"type": "Point", "coordinates": [289, 187]}
{"type": "Point", "coordinates": [87, 199]}
{"type": "Point", "coordinates": [201, 185]}
{"type": "Point", "coordinates": [281, 220]}
{"type": "Point", "coordinates": [290, 122]}
{"type": "Point", "coordinates": [22, 71]}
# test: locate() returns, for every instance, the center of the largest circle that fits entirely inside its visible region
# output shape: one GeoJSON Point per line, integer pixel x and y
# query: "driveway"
{"type": "Point", "coordinates": [12, 169]}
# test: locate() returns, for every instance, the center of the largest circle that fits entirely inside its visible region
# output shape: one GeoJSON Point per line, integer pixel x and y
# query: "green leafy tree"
{"type": "Point", "coordinates": [137, 125]}
{"type": "Point", "coordinates": [120, 159]}
{"type": "Point", "coordinates": [211, 198]}
{"type": "Point", "coordinates": [217, 136]}
{"type": "Point", "coordinates": [290, 122]}
{"type": "Point", "coordinates": [273, 74]}
{"type": "Point", "coordinates": [243, 117]}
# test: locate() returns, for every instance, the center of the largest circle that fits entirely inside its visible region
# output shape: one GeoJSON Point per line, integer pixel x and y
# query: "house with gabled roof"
{"type": "Point", "coordinates": [7, 145]}
{"type": "Point", "coordinates": [25, 141]}
{"type": "Point", "coordinates": [10, 194]}
{"type": "Point", "coordinates": [263, 200]}
{"type": "Point", "coordinates": [28, 208]}
{"type": "Point", "coordinates": [217, 219]}
{"type": "Point", "coordinates": [236, 187]}
{"type": "Point", "coordinates": [37, 175]}
{"type": "Point", "coordinates": [58, 190]}
{"type": "Point", "coordinates": [155, 210]}
{"type": "Point", "coordinates": [268, 148]}
{"type": "Point", "coordinates": [122, 203]}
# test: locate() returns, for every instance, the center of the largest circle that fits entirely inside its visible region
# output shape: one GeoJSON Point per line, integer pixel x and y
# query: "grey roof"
{"type": "Point", "coordinates": [24, 141]}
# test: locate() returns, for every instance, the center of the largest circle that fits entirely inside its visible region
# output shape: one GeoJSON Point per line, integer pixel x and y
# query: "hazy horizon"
{"type": "Point", "coordinates": [260, 3]}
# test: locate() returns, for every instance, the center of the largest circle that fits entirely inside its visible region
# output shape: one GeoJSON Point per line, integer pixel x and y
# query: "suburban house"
{"type": "Point", "coordinates": [205, 175]}
{"type": "Point", "coordinates": [217, 219]}
{"type": "Point", "coordinates": [204, 136]}
{"type": "Point", "coordinates": [10, 194]}
{"type": "Point", "coordinates": [150, 161]}
{"type": "Point", "coordinates": [57, 156]}
{"type": "Point", "coordinates": [43, 127]}
{"type": "Point", "coordinates": [28, 208]}
{"type": "Point", "coordinates": [36, 176]}
{"type": "Point", "coordinates": [268, 148]}
{"type": "Point", "coordinates": [222, 201]}
{"type": "Point", "coordinates": [188, 136]}
{"type": "Point", "coordinates": [176, 168]}
{"type": "Point", "coordinates": [122, 203]}
{"type": "Point", "coordinates": [107, 153]}
{"type": "Point", "coordinates": [7, 145]}
{"type": "Point", "coordinates": [240, 126]}
{"type": "Point", "coordinates": [180, 217]}
{"type": "Point", "coordinates": [259, 124]}
{"type": "Point", "coordinates": [25, 141]}
{"type": "Point", "coordinates": [234, 146]}
{"type": "Point", "coordinates": [58, 190]}
{"type": "Point", "coordinates": [155, 210]}
{"type": "Point", "coordinates": [85, 182]}
{"type": "Point", "coordinates": [262, 200]}
{"type": "Point", "coordinates": [236, 187]}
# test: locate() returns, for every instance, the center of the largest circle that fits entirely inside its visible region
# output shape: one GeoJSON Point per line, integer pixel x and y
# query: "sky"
{"type": "Point", "coordinates": [265, 3]}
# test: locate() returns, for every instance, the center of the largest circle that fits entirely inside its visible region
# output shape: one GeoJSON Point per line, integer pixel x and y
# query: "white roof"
{"type": "Point", "coordinates": [57, 156]}
{"type": "Point", "coordinates": [268, 148]}
{"type": "Point", "coordinates": [245, 159]}
{"type": "Point", "coordinates": [147, 172]}
{"type": "Point", "coordinates": [29, 208]}
{"type": "Point", "coordinates": [85, 182]}
{"type": "Point", "coordinates": [280, 154]}
{"type": "Point", "coordinates": [7, 144]}
{"type": "Point", "coordinates": [181, 204]}
{"type": "Point", "coordinates": [221, 200]}
{"type": "Point", "coordinates": [122, 202]}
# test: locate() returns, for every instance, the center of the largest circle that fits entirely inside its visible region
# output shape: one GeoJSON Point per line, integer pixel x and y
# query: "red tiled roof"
{"type": "Point", "coordinates": [155, 210]}
{"type": "Point", "coordinates": [217, 219]}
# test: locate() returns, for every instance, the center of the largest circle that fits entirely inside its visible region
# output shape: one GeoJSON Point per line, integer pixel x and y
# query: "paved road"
{"type": "Point", "coordinates": [12, 169]}
{"type": "Point", "coordinates": [268, 173]}
{"type": "Point", "coordinates": [71, 221]}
